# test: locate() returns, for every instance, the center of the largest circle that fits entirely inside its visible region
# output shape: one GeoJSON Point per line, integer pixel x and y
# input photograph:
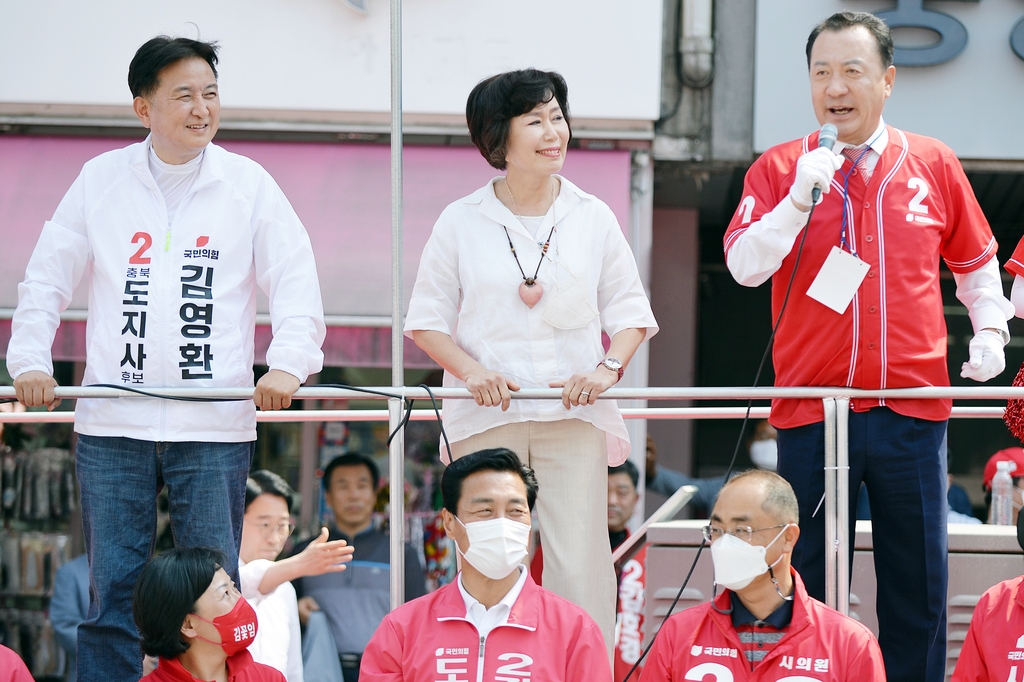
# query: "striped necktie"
{"type": "Point", "coordinates": [859, 158]}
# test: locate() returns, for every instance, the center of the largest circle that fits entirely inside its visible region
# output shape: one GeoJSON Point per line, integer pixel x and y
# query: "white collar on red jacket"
{"type": "Point", "coordinates": [525, 611]}
{"type": "Point", "coordinates": [486, 619]}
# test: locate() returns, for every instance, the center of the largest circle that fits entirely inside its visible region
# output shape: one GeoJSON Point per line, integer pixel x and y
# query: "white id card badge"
{"type": "Point", "coordinates": [838, 280]}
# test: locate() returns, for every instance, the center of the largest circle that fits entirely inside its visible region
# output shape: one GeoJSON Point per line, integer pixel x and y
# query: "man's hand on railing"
{"type": "Point", "coordinates": [274, 390]}
{"type": "Point", "coordinates": [35, 389]}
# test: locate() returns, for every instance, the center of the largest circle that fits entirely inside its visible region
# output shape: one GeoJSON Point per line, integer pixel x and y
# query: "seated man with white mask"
{"type": "Point", "coordinates": [764, 626]}
{"type": "Point", "coordinates": [493, 622]}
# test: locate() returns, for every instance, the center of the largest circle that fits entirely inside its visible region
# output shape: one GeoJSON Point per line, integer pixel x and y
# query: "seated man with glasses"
{"type": "Point", "coordinates": [264, 581]}
{"type": "Point", "coordinates": [763, 626]}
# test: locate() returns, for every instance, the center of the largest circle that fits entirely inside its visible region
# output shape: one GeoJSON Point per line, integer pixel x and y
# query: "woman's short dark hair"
{"type": "Point", "coordinates": [267, 482]}
{"type": "Point", "coordinates": [495, 459]}
{"type": "Point", "coordinates": [878, 29]}
{"type": "Point", "coordinates": [167, 591]}
{"type": "Point", "coordinates": [158, 53]}
{"type": "Point", "coordinates": [495, 101]}
{"type": "Point", "coordinates": [351, 459]}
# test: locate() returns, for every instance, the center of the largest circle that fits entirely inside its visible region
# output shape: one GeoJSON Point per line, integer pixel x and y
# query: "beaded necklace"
{"type": "Point", "coordinates": [530, 290]}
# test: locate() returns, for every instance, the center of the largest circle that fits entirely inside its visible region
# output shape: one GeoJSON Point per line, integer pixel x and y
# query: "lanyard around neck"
{"type": "Point", "coordinates": [847, 207]}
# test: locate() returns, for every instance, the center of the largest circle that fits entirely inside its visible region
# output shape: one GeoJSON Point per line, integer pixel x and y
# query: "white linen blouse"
{"type": "Point", "coordinates": [468, 287]}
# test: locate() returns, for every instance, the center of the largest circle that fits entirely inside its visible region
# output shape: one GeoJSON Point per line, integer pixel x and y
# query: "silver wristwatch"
{"type": "Point", "coordinates": [614, 364]}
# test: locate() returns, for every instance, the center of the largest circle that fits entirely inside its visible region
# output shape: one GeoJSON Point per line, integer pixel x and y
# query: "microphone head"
{"type": "Point", "coordinates": [828, 135]}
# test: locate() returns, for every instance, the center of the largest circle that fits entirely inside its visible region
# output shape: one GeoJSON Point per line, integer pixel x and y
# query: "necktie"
{"type": "Point", "coordinates": [859, 159]}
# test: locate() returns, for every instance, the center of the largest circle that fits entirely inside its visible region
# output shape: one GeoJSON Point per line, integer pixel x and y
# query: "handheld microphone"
{"type": "Point", "coordinates": [827, 137]}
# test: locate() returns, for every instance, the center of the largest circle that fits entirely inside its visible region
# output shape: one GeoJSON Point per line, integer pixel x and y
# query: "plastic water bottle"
{"type": "Point", "coordinates": [1002, 495]}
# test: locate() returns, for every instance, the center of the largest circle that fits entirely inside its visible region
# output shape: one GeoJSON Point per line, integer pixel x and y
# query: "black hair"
{"type": "Point", "coordinates": [495, 101]}
{"type": "Point", "coordinates": [627, 467]}
{"type": "Point", "coordinates": [495, 459]}
{"type": "Point", "coordinates": [267, 482]}
{"type": "Point", "coordinates": [167, 591]}
{"type": "Point", "coordinates": [352, 459]}
{"type": "Point", "coordinates": [844, 20]}
{"type": "Point", "coordinates": [158, 53]}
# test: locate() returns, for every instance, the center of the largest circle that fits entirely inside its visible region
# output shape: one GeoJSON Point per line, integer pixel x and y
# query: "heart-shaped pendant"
{"type": "Point", "coordinates": [530, 293]}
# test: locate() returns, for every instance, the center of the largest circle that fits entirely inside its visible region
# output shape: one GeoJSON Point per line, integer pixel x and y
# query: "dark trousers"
{"type": "Point", "coordinates": [118, 479]}
{"type": "Point", "coordinates": [897, 458]}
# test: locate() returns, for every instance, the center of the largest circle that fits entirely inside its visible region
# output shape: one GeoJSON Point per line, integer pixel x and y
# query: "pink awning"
{"type": "Point", "coordinates": [342, 193]}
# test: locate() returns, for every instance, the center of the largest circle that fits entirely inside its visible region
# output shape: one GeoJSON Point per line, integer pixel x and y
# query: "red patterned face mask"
{"type": "Point", "coordinates": [237, 628]}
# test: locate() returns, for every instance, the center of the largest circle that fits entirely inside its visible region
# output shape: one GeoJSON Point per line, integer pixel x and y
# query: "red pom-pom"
{"type": "Point", "coordinates": [1014, 415]}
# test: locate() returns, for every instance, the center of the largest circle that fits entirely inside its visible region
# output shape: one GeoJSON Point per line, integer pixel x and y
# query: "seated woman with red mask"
{"type": "Point", "coordinates": [190, 614]}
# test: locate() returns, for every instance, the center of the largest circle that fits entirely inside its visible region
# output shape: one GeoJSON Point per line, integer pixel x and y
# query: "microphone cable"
{"type": "Point", "coordinates": [739, 439]}
{"type": "Point", "coordinates": [403, 421]}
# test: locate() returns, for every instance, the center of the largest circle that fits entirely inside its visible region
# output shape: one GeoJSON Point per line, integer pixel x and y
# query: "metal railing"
{"type": "Point", "coordinates": [836, 403]}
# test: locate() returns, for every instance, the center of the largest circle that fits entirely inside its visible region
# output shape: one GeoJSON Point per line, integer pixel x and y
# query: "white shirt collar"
{"type": "Point", "coordinates": [486, 619]}
{"type": "Point", "coordinates": [879, 140]}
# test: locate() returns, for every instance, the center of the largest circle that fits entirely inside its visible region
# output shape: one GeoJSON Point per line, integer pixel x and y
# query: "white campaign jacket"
{"type": "Point", "coordinates": [172, 306]}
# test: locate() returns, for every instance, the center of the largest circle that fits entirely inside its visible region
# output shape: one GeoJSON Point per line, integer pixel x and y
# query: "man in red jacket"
{"type": "Point", "coordinates": [994, 648]}
{"type": "Point", "coordinates": [493, 622]}
{"type": "Point", "coordinates": [763, 627]}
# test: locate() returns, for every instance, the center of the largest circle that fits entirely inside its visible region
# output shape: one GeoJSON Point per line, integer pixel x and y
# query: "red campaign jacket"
{"type": "Point", "coordinates": [994, 648]}
{"type": "Point", "coordinates": [820, 644]}
{"type": "Point", "coordinates": [546, 638]}
{"type": "Point", "coordinates": [917, 207]}
{"type": "Point", "coordinates": [241, 668]}
{"type": "Point", "coordinates": [12, 668]}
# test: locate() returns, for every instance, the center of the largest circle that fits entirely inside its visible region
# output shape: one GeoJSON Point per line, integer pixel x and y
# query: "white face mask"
{"type": "Point", "coordinates": [765, 454]}
{"type": "Point", "coordinates": [737, 563]}
{"type": "Point", "coordinates": [496, 546]}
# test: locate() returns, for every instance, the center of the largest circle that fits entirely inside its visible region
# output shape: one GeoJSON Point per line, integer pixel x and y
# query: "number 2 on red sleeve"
{"type": "Point", "coordinates": [145, 242]}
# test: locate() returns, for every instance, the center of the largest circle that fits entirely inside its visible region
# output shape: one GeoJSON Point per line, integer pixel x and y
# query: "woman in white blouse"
{"type": "Point", "coordinates": [265, 582]}
{"type": "Point", "coordinates": [515, 286]}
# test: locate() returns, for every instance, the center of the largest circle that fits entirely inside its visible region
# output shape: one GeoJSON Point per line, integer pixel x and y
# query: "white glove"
{"type": "Point", "coordinates": [987, 359]}
{"type": "Point", "coordinates": [814, 169]}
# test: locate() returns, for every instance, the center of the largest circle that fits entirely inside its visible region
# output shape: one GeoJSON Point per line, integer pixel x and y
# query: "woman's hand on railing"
{"type": "Point", "coordinates": [490, 389]}
{"type": "Point", "coordinates": [583, 389]}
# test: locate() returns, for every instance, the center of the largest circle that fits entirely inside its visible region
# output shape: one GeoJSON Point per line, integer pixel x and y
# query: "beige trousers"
{"type": "Point", "coordinates": [570, 460]}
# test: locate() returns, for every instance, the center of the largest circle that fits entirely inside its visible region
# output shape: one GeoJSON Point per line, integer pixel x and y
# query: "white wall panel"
{"type": "Point", "coordinates": [321, 55]}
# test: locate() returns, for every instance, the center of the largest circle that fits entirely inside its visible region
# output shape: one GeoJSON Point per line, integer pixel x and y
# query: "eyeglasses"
{"type": "Point", "coordinates": [266, 529]}
{"type": "Point", "coordinates": [745, 533]}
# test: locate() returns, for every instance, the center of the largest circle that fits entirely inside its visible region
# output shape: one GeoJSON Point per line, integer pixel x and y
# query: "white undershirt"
{"type": "Point", "coordinates": [174, 181]}
{"type": "Point", "coordinates": [879, 141]}
{"type": "Point", "coordinates": [486, 619]}
{"type": "Point", "coordinates": [533, 224]}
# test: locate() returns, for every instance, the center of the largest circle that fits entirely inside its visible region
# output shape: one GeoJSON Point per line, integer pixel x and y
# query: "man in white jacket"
{"type": "Point", "coordinates": [178, 234]}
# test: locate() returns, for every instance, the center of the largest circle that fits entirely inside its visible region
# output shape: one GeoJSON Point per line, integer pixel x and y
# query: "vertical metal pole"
{"type": "Point", "coordinates": [396, 453]}
{"type": "Point", "coordinates": [844, 541]}
{"type": "Point", "coordinates": [831, 530]}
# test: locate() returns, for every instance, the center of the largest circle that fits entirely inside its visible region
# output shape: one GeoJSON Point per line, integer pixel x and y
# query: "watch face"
{"type": "Point", "coordinates": [612, 363]}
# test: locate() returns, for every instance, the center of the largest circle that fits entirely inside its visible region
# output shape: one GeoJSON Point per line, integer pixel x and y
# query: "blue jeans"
{"type": "Point", "coordinates": [898, 459]}
{"type": "Point", "coordinates": [119, 480]}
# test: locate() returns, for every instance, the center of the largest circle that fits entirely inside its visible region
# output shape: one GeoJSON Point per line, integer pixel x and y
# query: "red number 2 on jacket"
{"type": "Point", "coordinates": [146, 242]}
